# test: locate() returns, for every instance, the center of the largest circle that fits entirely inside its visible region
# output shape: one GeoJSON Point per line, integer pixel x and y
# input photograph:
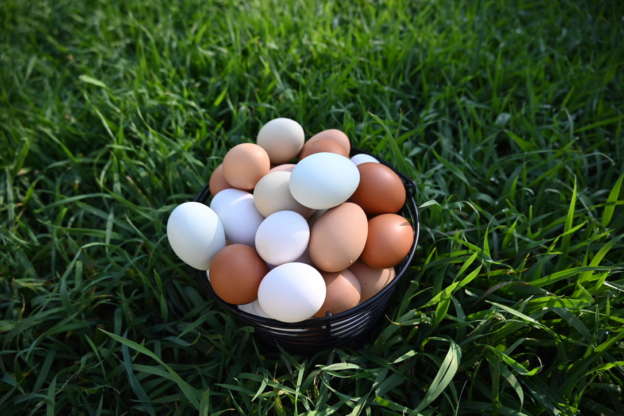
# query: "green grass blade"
{"type": "Point", "coordinates": [443, 377]}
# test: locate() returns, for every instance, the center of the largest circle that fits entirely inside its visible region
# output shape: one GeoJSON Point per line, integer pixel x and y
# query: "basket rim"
{"type": "Point", "coordinates": [410, 205]}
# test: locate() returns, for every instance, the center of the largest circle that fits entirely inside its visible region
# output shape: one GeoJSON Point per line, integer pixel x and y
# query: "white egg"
{"type": "Point", "coordinates": [238, 214]}
{"type": "Point", "coordinates": [254, 308]}
{"type": "Point", "coordinates": [282, 138]}
{"type": "Point", "coordinates": [363, 158]}
{"type": "Point", "coordinates": [272, 194]}
{"type": "Point", "coordinates": [292, 292]}
{"type": "Point", "coordinates": [282, 237]}
{"type": "Point", "coordinates": [324, 180]}
{"type": "Point", "coordinates": [305, 257]}
{"type": "Point", "coordinates": [195, 234]}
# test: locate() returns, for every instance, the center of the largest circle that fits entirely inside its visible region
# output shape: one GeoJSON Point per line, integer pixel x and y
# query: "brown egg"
{"type": "Point", "coordinates": [343, 292]}
{"type": "Point", "coordinates": [287, 167]}
{"type": "Point", "coordinates": [338, 237]}
{"type": "Point", "coordinates": [245, 164]}
{"type": "Point", "coordinates": [390, 238]}
{"type": "Point", "coordinates": [380, 190]}
{"type": "Point", "coordinates": [371, 280]}
{"type": "Point", "coordinates": [236, 272]}
{"type": "Point", "coordinates": [322, 145]}
{"type": "Point", "coordinates": [336, 135]}
{"type": "Point", "coordinates": [217, 181]}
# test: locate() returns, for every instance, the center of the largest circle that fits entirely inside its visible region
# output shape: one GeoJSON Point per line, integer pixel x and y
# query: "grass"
{"type": "Point", "coordinates": [508, 115]}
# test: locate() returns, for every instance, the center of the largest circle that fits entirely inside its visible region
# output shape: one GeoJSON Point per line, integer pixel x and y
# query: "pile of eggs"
{"type": "Point", "coordinates": [295, 241]}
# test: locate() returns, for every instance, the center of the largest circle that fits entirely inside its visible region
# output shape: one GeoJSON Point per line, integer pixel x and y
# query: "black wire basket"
{"type": "Point", "coordinates": [352, 328]}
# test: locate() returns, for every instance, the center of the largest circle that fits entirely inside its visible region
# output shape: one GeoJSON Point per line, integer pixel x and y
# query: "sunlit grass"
{"type": "Point", "coordinates": [508, 116]}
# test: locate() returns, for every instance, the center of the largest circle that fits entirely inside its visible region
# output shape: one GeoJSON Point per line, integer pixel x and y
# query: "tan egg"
{"type": "Point", "coordinates": [236, 272]}
{"type": "Point", "coordinates": [338, 237]}
{"type": "Point", "coordinates": [272, 194]}
{"type": "Point", "coordinates": [343, 293]}
{"type": "Point", "coordinates": [217, 181]}
{"type": "Point", "coordinates": [286, 167]}
{"type": "Point", "coordinates": [315, 217]}
{"type": "Point", "coordinates": [390, 238]}
{"type": "Point", "coordinates": [282, 138]}
{"type": "Point", "coordinates": [380, 190]}
{"type": "Point", "coordinates": [245, 164]}
{"type": "Point", "coordinates": [335, 135]}
{"type": "Point", "coordinates": [323, 145]}
{"type": "Point", "coordinates": [371, 280]}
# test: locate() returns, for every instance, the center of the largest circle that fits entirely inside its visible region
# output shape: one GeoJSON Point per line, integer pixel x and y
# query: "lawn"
{"type": "Point", "coordinates": [508, 115]}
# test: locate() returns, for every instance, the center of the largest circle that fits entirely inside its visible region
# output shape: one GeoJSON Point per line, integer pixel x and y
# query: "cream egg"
{"type": "Point", "coordinates": [282, 138]}
{"type": "Point", "coordinates": [272, 194]}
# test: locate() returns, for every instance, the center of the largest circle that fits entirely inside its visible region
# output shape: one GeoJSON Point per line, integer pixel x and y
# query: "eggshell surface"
{"type": "Point", "coordinates": [363, 158]}
{"type": "Point", "coordinates": [380, 190]}
{"type": "Point", "coordinates": [343, 292]}
{"type": "Point", "coordinates": [195, 234]}
{"type": "Point", "coordinates": [253, 308]}
{"type": "Point", "coordinates": [282, 237]}
{"type": "Point", "coordinates": [272, 194]}
{"type": "Point", "coordinates": [323, 145]}
{"type": "Point", "coordinates": [282, 138]}
{"type": "Point", "coordinates": [336, 135]}
{"type": "Point", "coordinates": [286, 167]}
{"type": "Point", "coordinates": [338, 237]}
{"type": "Point", "coordinates": [239, 215]}
{"type": "Point", "coordinates": [217, 181]}
{"type": "Point", "coordinates": [292, 292]}
{"type": "Point", "coordinates": [372, 280]}
{"type": "Point", "coordinates": [245, 164]}
{"type": "Point", "coordinates": [236, 272]}
{"type": "Point", "coordinates": [323, 180]}
{"type": "Point", "coordinates": [390, 238]}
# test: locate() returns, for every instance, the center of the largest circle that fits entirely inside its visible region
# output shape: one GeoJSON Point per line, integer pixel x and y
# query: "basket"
{"type": "Point", "coordinates": [352, 328]}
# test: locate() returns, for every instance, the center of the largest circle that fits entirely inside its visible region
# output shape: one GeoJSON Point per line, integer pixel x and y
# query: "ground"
{"type": "Point", "coordinates": [508, 115]}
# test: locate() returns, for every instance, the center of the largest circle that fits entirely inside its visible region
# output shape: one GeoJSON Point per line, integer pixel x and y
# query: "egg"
{"type": "Point", "coordinates": [390, 238]}
{"type": "Point", "coordinates": [305, 257]}
{"type": "Point", "coordinates": [292, 292]}
{"type": "Point", "coordinates": [253, 308]}
{"type": "Point", "coordinates": [323, 145]}
{"type": "Point", "coordinates": [338, 238]}
{"type": "Point", "coordinates": [371, 280]}
{"type": "Point", "coordinates": [239, 215]}
{"type": "Point", "coordinates": [343, 292]}
{"type": "Point", "coordinates": [335, 135]}
{"type": "Point", "coordinates": [236, 272]}
{"type": "Point", "coordinates": [282, 237]}
{"type": "Point", "coordinates": [245, 164]}
{"type": "Point", "coordinates": [272, 194]}
{"type": "Point", "coordinates": [287, 167]}
{"type": "Point", "coordinates": [217, 181]}
{"type": "Point", "coordinates": [195, 234]}
{"type": "Point", "coordinates": [282, 138]}
{"type": "Point", "coordinates": [363, 158]}
{"type": "Point", "coordinates": [323, 180]}
{"type": "Point", "coordinates": [380, 190]}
